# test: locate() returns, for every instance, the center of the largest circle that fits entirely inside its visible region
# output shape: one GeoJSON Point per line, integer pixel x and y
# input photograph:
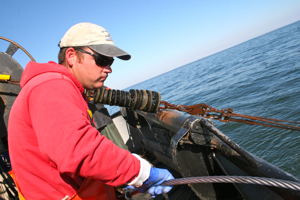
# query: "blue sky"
{"type": "Point", "coordinates": [160, 35]}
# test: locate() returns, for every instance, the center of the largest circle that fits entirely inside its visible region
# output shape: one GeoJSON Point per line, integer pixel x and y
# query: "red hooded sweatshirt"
{"type": "Point", "coordinates": [52, 144]}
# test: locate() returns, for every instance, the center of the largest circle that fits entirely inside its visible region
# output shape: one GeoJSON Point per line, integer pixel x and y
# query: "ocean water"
{"type": "Point", "coordinates": [260, 77]}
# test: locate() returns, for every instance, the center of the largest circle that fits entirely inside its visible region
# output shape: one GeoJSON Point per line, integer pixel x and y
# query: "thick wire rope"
{"type": "Point", "coordinates": [292, 185]}
{"type": "Point", "coordinates": [235, 179]}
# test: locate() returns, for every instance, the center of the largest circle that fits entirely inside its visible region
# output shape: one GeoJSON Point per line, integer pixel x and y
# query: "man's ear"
{"type": "Point", "coordinates": [70, 56]}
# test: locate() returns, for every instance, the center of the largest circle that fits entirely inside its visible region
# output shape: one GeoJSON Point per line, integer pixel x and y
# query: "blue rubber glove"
{"type": "Point", "coordinates": [157, 176]}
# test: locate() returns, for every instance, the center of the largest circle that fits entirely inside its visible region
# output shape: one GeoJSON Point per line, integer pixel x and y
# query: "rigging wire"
{"type": "Point", "coordinates": [292, 185]}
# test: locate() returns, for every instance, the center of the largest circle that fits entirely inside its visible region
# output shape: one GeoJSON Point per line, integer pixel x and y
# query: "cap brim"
{"type": "Point", "coordinates": [110, 51]}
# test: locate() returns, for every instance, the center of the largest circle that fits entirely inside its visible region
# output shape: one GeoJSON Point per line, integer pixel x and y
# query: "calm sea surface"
{"type": "Point", "coordinates": [259, 77]}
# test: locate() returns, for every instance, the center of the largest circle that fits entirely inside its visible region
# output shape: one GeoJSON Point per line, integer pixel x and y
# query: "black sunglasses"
{"type": "Point", "coordinates": [99, 59]}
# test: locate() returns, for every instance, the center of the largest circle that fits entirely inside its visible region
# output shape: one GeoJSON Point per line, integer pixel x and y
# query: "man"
{"type": "Point", "coordinates": [55, 151]}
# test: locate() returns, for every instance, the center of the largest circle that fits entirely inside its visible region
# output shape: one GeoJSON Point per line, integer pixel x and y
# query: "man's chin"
{"type": "Point", "coordinates": [99, 85]}
{"type": "Point", "coordinates": [96, 86]}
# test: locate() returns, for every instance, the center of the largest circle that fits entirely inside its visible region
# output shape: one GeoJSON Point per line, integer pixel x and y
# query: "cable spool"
{"type": "Point", "coordinates": [144, 100]}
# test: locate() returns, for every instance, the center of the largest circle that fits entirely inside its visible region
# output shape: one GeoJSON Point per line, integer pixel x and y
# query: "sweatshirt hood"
{"type": "Point", "coordinates": [34, 69]}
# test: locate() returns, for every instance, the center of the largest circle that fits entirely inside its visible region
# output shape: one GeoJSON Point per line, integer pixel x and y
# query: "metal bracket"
{"type": "Point", "coordinates": [11, 50]}
{"type": "Point", "coordinates": [200, 135]}
{"type": "Point", "coordinates": [174, 142]}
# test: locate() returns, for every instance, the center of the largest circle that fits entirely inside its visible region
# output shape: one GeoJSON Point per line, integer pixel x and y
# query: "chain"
{"type": "Point", "coordinates": [227, 115]}
{"type": "Point", "coordinates": [224, 115]}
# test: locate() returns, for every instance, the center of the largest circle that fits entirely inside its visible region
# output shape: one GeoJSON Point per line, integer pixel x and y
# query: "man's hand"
{"type": "Point", "coordinates": [157, 176]}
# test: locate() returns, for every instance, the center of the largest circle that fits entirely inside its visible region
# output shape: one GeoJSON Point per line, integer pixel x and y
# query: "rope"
{"type": "Point", "coordinates": [292, 185]}
{"type": "Point", "coordinates": [235, 179]}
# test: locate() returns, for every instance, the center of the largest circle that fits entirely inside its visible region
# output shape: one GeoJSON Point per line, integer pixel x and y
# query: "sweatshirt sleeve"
{"type": "Point", "coordinates": [67, 139]}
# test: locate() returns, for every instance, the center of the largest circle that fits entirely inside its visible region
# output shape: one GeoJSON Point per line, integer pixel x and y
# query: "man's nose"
{"type": "Point", "coordinates": [108, 69]}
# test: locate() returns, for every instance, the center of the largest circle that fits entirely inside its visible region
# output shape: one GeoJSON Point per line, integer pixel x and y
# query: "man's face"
{"type": "Point", "coordinates": [88, 73]}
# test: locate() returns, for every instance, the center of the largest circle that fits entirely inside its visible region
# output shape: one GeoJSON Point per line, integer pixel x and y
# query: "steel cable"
{"type": "Point", "coordinates": [292, 185]}
{"type": "Point", "coordinates": [235, 179]}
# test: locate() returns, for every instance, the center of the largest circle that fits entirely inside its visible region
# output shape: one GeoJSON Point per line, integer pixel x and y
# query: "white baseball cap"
{"type": "Point", "coordinates": [94, 37]}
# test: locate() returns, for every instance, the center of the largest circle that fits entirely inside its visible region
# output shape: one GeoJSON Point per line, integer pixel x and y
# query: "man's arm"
{"type": "Point", "coordinates": [67, 139]}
